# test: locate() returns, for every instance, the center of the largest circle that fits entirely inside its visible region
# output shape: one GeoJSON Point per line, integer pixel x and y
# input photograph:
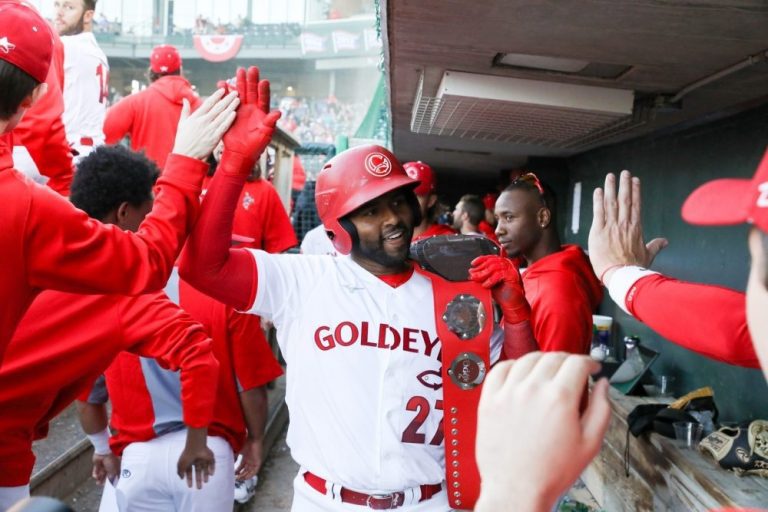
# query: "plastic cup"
{"type": "Point", "coordinates": [664, 385]}
{"type": "Point", "coordinates": [688, 433]}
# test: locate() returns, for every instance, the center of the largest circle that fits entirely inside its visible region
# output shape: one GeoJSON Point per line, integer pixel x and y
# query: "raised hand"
{"type": "Point", "coordinates": [199, 132]}
{"type": "Point", "coordinates": [502, 277]}
{"type": "Point", "coordinates": [532, 439]}
{"type": "Point", "coordinates": [252, 130]}
{"type": "Point", "coordinates": [616, 235]}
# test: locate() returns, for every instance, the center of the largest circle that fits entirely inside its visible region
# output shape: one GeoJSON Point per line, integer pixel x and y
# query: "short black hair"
{"type": "Point", "coordinates": [474, 208]}
{"type": "Point", "coordinates": [152, 76]}
{"type": "Point", "coordinates": [548, 197]}
{"type": "Point", "coordinates": [109, 176]}
{"type": "Point", "coordinates": [16, 85]}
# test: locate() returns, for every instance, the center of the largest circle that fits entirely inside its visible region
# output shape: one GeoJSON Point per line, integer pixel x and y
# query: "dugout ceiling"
{"type": "Point", "coordinates": [579, 74]}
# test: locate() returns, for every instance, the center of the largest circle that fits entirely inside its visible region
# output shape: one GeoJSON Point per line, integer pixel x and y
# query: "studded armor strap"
{"type": "Point", "coordinates": [464, 318]}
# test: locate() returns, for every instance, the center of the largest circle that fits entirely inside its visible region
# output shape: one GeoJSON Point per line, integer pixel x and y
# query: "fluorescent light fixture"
{"type": "Point", "coordinates": [522, 60]}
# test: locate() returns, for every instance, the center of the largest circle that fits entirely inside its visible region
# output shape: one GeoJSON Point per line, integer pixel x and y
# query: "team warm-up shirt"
{"type": "Point", "coordinates": [260, 215]}
{"type": "Point", "coordinates": [65, 341]}
{"type": "Point", "coordinates": [563, 292]}
{"type": "Point", "coordinates": [147, 401]}
{"type": "Point", "coordinates": [86, 82]}
{"type": "Point", "coordinates": [710, 320]}
{"type": "Point", "coordinates": [150, 117]}
{"type": "Point", "coordinates": [364, 385]}
{"type": "Point", "coordinates": [48, 243]}
{"type": "Point", "coordinates": [40, 137]}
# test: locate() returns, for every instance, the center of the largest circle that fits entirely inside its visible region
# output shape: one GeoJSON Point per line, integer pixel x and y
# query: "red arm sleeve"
{"type": "Point", "coordinates": [518, 340]}
{"type": "Point", "coordinates": [41, 130]}
{"type": "Point", "coordinates": [255, 364]}
{"type": "Point", "coordinates": [67, 250]}
{"type": "Point", "coordinates": [710, 320]}
{"type": "Point", "coordinates": [208, 263]}
{"type": "Point", "coordinates": [166, 333]}
{"type": "Point", "coordinates": [278, 232]}
{"type": "Point", "coordinates": [118, 120]}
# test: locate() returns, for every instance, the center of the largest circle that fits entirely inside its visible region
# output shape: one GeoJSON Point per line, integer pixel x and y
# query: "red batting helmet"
{"type": "Point", "coordinates": [351, 179]}
{"type": "Point", "coordinates": [422, 172]}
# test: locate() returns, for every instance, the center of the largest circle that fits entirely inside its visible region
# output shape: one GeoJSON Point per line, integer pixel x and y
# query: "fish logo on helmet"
{"type": "Point", "coordinates": [351, 179]}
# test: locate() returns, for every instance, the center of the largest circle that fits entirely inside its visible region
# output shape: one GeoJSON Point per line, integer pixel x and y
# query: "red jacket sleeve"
{"type": "Point", "coordinates": [166, 333]}
{"type": "Point", "coordinates": [278, 232]}
{"type": "Point", "coordinates": [118, 120]}
{"type": "Point", "coordinates": [66, 250]}
{"type": "Point", "coordinates": [710, 320]}
{"type": "Point", "coordinates": [255, 364]}
{"type": "Point", "coordinates": [41, 130]}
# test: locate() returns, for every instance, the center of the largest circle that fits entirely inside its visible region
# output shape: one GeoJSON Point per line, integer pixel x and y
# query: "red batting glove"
{"type": "Point", "coordinates": [252, 130]}
{"type": "Point", "coordinates": [502, 277]}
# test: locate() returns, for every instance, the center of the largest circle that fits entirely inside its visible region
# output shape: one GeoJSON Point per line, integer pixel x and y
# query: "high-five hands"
{"type": "Point", "coordinates": [616, 235]}
{"type": "Point", "coordinates": [252, 131]}
{"type": "Point", "coordinates": [532, 439]}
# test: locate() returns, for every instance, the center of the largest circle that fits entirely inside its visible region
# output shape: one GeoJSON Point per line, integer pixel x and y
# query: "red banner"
{"type": "Point", "coordinates": [218, 48]}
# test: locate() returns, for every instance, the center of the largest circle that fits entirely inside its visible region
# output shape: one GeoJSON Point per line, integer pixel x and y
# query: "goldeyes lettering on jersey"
{"type": "Point", "coordinates": [381, 336]}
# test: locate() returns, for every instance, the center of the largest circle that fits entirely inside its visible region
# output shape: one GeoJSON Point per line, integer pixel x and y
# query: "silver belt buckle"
{"type": "Point", "coordinates": [392, 497]}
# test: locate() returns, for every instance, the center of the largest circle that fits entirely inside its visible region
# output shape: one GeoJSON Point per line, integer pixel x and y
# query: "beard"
{"type": "Point", "coordinates": [73, 30]}
{"type": "Point", "coordinates": [378, 253]}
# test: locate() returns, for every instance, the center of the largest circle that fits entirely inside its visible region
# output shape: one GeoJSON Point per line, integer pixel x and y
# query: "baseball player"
{"type": "Point", "coordinates": [47, 242]}
{"type": "Point", "coordinates": [147, 413]}
{"type": "Point", "coordinates": [427, 197]}
{"type": "Point", "coordinates": [722, 333]}
{"type": "Point", "coordinates": [66, 340]}
{"type": "Point", "coordinates": [86, 75]}
{"type": "Point", "coordinates": [40, 147]}
{"type": "Point", "coordinates": [559, 283]}
{"type": "Point", "coordinates": [358, 332]}
{"type": "Point", "coordinates": [149, 117]}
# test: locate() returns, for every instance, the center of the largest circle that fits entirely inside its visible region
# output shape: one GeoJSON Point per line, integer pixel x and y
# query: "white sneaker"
{"type": "Point", "coordinates": [244, 489]}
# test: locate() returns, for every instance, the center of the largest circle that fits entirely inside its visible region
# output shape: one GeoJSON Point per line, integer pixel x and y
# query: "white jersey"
{"type": "Point", "coordinates": [316, 241]}
{"type": "Point", "coordinates": [86, 79]}
{"type": "Point", "coordinates": [364, 386]}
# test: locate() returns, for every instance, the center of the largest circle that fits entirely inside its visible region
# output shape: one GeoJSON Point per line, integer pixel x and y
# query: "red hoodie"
{"type": "Point", "coordinates": [563, 292]}
{"type": "Point", "coordinates": [150, 117]}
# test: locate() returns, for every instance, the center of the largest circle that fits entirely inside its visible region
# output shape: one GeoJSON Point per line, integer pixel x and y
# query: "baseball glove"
{"type": "Point", "coordinates": [743, 449]}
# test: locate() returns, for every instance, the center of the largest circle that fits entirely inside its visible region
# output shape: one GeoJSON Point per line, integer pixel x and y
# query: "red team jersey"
{"type": "Point", "coordinates": [150, 117]}
{"type": "Point", "coordinates": [39, 379]}
{"type": "Point", "coordinates": [261, 215]}
{"type": "Point", "coordinates": [136, 389]}
{"type": "Point", "coordinates": [48, 243]}
{"type": "Point", "coordinates": [41, 130]}
{"type": "Point", "coordinates": [563, 292]}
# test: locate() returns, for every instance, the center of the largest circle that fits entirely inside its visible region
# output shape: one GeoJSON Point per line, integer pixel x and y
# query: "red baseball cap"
{"type": "Point", "coordinates": [26, 40]}
{"type": "Point", "coordinates": [165, 59]}
{"type": "Point", "coordinates": [731, 201]}
{"type": "Point", "coordinates": [422, 173]}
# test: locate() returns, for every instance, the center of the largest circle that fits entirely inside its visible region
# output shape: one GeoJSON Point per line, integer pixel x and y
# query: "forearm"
{"type": "Point", "coordinates": [254, 405]}
{"type": "Point", "coordinates": [710, 320]}
{"type": "Point", "coordinates": [93, 417]}
{"type": "Point", "coordinates": [518, 340]}
{"type": "Point", "coordinates": [208, 262]}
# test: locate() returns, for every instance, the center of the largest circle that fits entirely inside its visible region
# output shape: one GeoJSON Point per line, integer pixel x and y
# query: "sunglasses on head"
{"type": "Point", "coordinates": [530, 179]}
